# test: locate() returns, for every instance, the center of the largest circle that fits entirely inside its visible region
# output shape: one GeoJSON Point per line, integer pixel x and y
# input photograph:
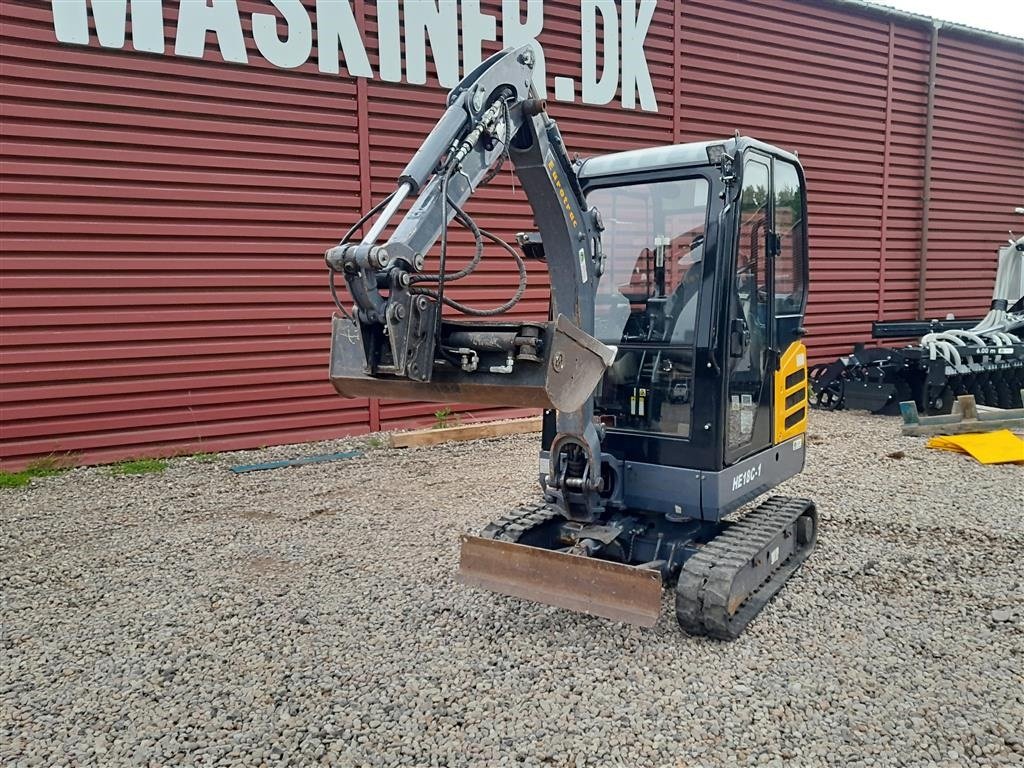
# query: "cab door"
{"type": "Point", "coordinates": [788, 266]}
{"type": "Point", "coordinates": [750, 316]}
{"type": "Point", "coordinates": [766, 362]}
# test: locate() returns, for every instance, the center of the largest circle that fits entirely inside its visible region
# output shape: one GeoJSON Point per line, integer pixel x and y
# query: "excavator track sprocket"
{"type": "Point", "coordinates": [727, 583]}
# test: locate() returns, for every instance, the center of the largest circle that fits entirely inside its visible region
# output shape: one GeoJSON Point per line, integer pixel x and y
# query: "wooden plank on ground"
{"type": "Point", "coordinates": [964, 427]}
{"type": "Point", "coordinates": [967, 416]}
{"type": "Point", "coordinates": [421, 437]}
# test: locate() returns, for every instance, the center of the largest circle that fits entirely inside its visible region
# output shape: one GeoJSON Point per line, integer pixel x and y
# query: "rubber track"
{"type": "Point", "coordinates": [705, 581]}
{"type": "Point", "coordinates": [513, 525]}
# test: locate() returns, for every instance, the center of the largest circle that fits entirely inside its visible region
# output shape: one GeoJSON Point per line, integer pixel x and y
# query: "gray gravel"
{"type": "Point", "coordinates": [309, 616]}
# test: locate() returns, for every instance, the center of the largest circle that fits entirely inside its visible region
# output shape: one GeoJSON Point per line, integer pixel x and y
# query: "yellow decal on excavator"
{"type": "Point", "coordinates": [791, 393]}
{"type": "Point", "coordinates": [562, 195]}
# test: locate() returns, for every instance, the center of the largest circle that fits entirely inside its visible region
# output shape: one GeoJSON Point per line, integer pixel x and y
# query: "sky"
{"type": "Point", "coordinates": [1003, 16]}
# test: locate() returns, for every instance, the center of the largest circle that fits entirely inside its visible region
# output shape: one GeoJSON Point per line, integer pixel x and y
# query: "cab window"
{"type": "Point", "coordinates": [790, 282]}
{"type": "Point", "coordinates": [647, 301]}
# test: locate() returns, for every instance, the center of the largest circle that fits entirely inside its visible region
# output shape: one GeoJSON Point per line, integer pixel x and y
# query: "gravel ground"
{"type": "Point", "coordinates": [309, 616]}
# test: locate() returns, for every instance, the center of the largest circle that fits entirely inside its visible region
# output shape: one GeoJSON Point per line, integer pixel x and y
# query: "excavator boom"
{"type": "Point", "coordinates": [396, 344]}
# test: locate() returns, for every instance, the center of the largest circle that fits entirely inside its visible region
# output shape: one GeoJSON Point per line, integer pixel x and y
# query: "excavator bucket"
{"type": "Point", "coordinates": [584, 584]}
{"type": "Point", "coordinates": [569, 368]}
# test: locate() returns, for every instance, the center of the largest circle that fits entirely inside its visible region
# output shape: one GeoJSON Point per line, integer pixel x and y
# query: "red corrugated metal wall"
{"type": "Point", "coordinates": [978, 170]}
{"type": "Point", "coordinates": [899, 236]}
{"type": "Point", "coordinates": [816, 80]}
{"type": "Point", "coordinates": [164, 218]}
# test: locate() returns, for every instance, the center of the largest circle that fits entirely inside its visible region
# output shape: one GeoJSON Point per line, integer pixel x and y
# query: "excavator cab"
{"type": "Point", "coordinates": [670, 370]}
{"type": "Point", "coordinates": [702, 295]}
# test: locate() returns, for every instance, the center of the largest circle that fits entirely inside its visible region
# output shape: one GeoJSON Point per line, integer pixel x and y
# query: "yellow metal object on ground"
{"type": "Point", "coordinates": [791, 393]}
{"type": "Point", "coordinates": [1001, 447]}
{"type": "Point", "coordinates": [584, 584]}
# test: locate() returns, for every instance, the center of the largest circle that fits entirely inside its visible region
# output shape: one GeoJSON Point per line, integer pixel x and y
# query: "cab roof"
{"type": "Point", "coordinates": [669, 156]}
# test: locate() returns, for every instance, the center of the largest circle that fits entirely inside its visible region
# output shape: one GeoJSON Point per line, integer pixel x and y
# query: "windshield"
{"type": "Point", "coordinates": [647, 299]}
{"type": "Point", "coordinates": [653, 242]}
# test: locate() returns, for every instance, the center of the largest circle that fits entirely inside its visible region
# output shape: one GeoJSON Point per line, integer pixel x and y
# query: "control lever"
{"type": "Point", "coordinates": [739, 337]}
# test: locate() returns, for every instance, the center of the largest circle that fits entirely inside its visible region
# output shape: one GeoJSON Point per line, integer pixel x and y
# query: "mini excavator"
{"type": "Point", "coordinates": [671, 369]}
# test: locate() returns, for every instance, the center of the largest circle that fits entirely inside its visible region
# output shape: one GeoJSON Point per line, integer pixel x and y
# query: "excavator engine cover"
{"type": "Point", "coordinates": [568, 365]}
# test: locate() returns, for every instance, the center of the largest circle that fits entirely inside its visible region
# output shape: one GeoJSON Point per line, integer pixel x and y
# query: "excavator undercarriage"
{"type": "Point", "coordinates": [670, 368]}
{"type": "Point", "coordinates": [724, 572]}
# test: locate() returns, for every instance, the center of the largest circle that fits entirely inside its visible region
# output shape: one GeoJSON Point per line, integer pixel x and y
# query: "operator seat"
{"type": "Point", "coordinates": [611, 312]}
{"type": "Point", "coordinates": [681, 308]}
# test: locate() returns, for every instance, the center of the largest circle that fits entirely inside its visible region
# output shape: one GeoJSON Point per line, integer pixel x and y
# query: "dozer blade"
{"type": "Point", "coordinates": [583, 584]}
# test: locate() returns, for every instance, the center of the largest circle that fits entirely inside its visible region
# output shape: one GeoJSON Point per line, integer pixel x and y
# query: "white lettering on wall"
{"type": "Point", "coordinates": [335, 24]}
{"type": "Point", "coordinates": [294, 49]}
{"type": "Point", "coordinates": [440, 22]}
{"type": "Point", "coordinates": [600, 91]}
{"type": "Point", "coordinates": [220, 17]}
{"type": "Point", "coordinates": [283, 34]}
{"type": "Point", "coordinates": [636, 79]}
{"type": "Point", "coordinates": [476, 27]}
{"type": "Point", "coordinates": [389, 40]}
{"type": "Point", "coordinates": [71, 23]}
{"type": "Point", "coordinates": [518, 31]}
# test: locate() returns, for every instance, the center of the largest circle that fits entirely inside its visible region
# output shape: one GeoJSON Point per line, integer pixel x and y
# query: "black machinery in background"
{"type": "Point", "coordinates": [983, 358]}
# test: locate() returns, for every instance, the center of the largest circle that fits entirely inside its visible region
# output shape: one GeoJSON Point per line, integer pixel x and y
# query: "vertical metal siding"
{"type": "Point", "coordinates": [977, 173]}
{"type": "Point", "coordinates": [164, 219]}
{"type": "Point", "coordinates": [897, 293]}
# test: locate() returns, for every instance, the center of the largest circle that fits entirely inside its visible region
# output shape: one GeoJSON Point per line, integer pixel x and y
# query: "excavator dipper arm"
{"type": "Point", "coordinates": [397, 345]}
